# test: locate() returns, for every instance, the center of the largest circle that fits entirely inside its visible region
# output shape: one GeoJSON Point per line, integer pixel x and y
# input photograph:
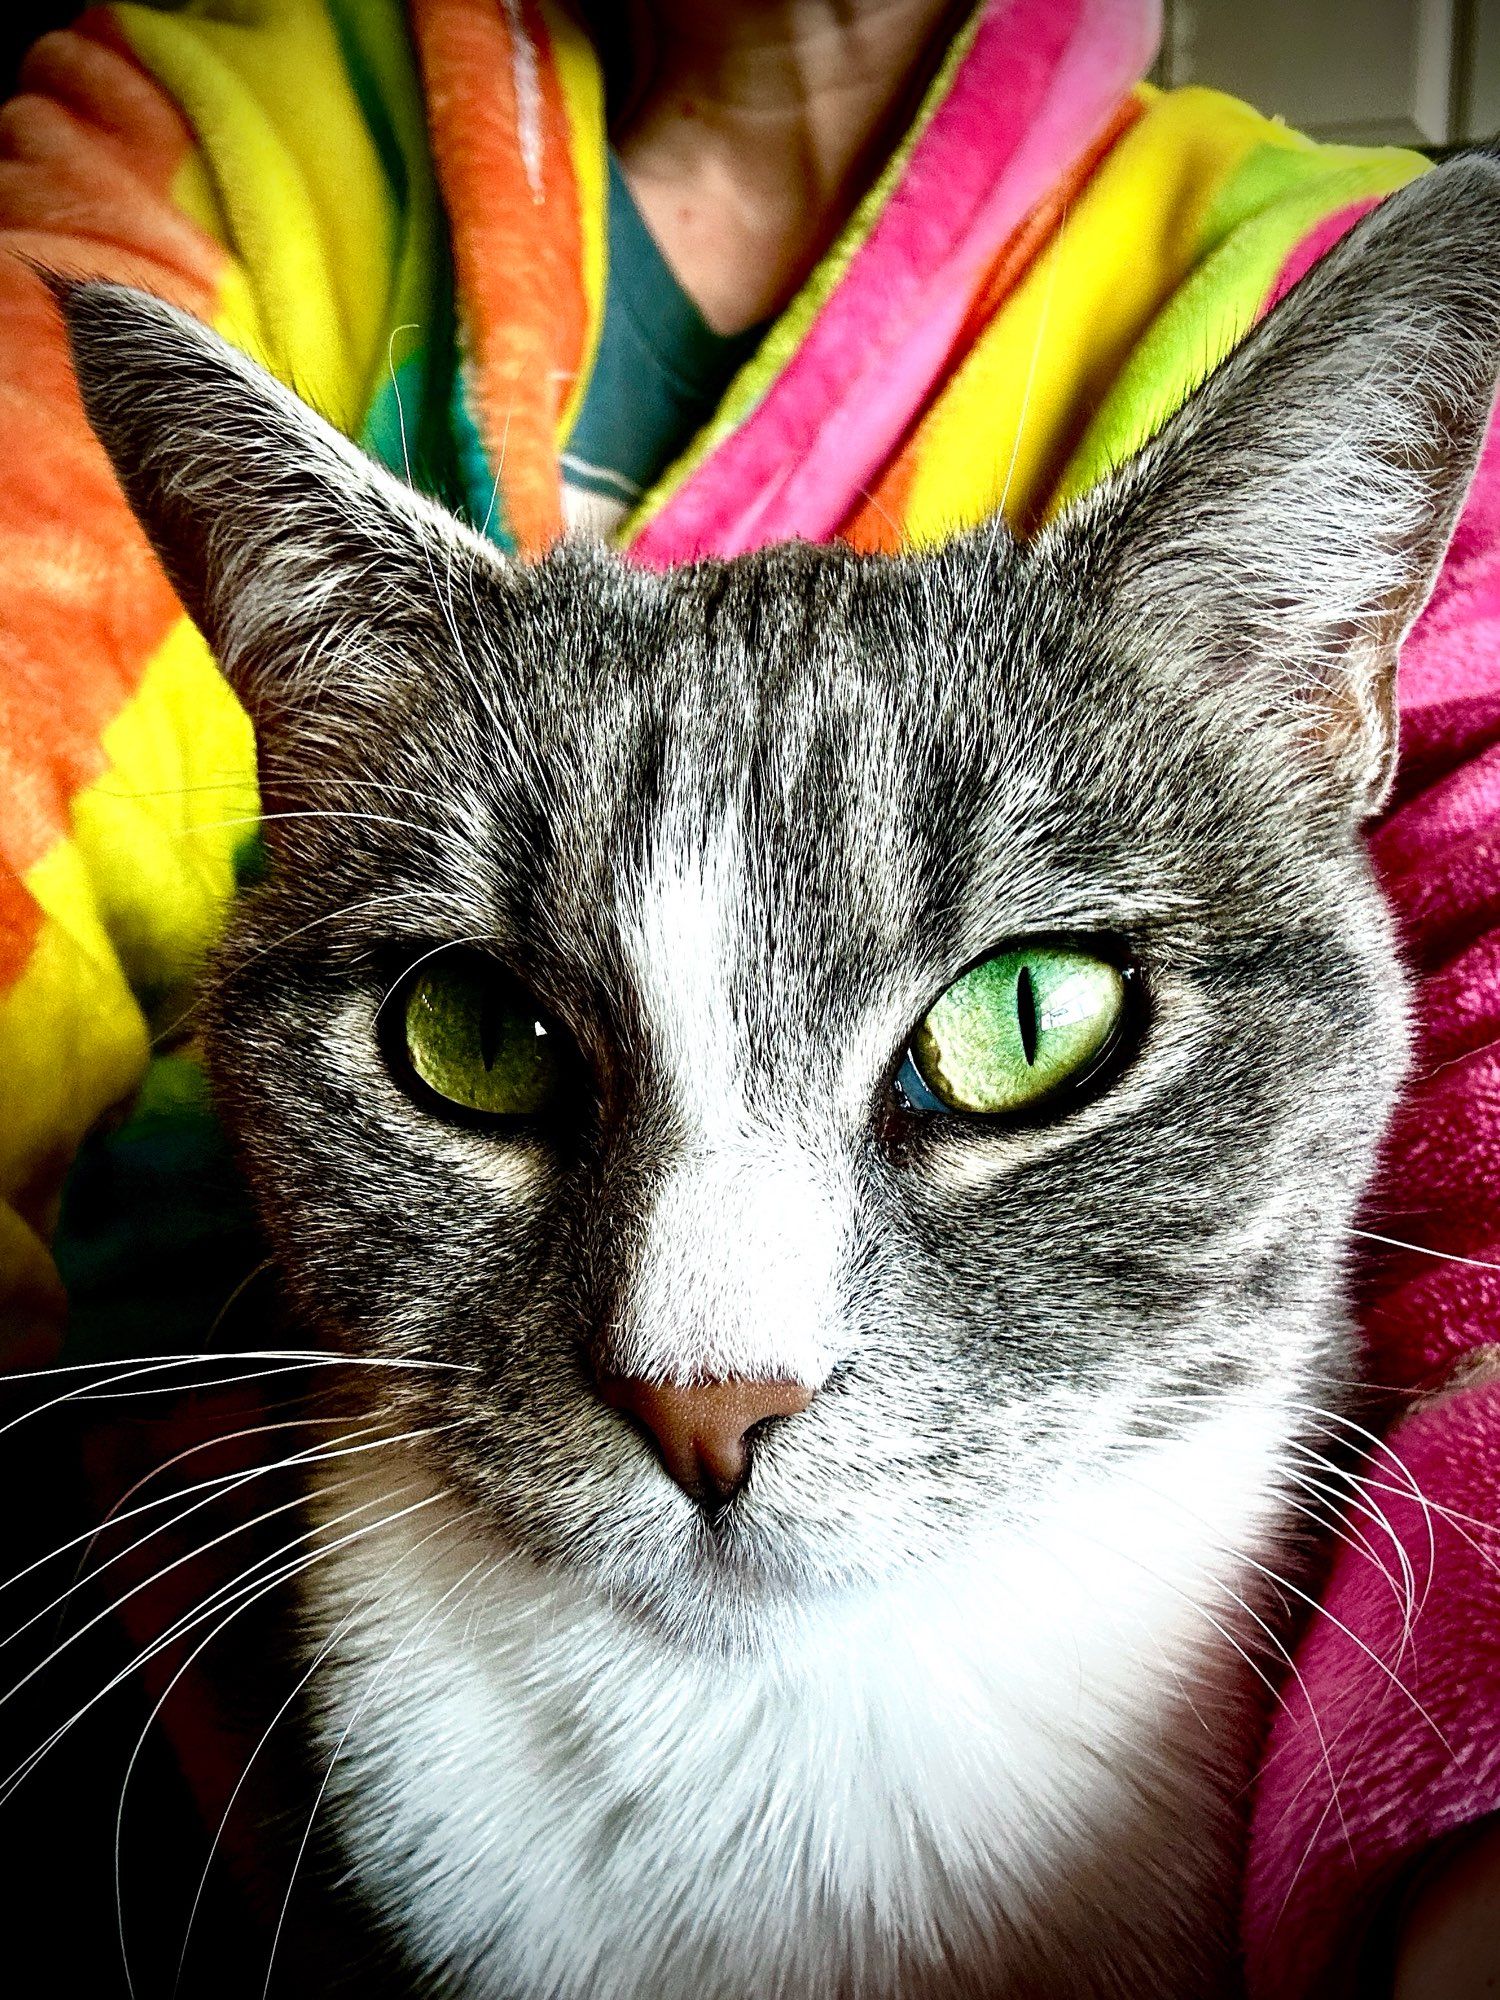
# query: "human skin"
{"type": "Point", "coordinates": [753, 128]}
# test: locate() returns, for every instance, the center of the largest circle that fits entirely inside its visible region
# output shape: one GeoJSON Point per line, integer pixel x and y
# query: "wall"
{"type": "Point", "coordinates": [1414, 72]}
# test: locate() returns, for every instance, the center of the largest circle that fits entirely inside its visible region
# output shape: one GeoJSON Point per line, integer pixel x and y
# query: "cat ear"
{"type": "Point", "coordinates": [1287, 524]}
{"type": "Point", "coordinates": [277, 533]}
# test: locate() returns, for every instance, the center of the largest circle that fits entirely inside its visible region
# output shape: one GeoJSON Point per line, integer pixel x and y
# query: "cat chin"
{"type": "Point", "coordinates": [536, 1770]}
{"type": "Point", "coordinates": [730, 1588]}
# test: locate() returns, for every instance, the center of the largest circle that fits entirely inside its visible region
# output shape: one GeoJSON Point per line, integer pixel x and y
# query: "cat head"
{"type": "Point", "coordinates": [946, 993]}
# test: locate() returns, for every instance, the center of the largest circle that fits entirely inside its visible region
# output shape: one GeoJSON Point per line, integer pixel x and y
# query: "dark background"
{"type": "Point", "coordinates": [20, 24]}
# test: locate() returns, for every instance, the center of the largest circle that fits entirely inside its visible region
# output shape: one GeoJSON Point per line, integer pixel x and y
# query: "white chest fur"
{"type": "Point", "coordinates": [1015, 1775]}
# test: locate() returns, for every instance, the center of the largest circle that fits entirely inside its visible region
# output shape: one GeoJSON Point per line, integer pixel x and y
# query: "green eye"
{"type": "Point", "coordinates": [1013, 1030]}
{"type": "Point", "coordinates": [476, 1037]}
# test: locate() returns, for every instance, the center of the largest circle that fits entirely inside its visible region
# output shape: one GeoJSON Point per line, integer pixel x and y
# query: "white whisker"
{"type": "Point", "coordinates": [483, 1563]}
{"type": "Point", "coordinates": [192, 1555]}
{"type": "Point", "coordinates": [222, 1487]}
{"type": "Point", "coordinates": [241, 1592]}
{"type": "Point", "coordinates": [1425, 1250]}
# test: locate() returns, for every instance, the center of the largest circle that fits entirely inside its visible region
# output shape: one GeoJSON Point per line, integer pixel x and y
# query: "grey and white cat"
{"type": "Point", "coordinates": [931, 1657]}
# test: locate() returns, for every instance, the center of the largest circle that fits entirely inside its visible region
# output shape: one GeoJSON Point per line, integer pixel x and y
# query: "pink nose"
{"type": "Point", "coordinates": [701, 1432]}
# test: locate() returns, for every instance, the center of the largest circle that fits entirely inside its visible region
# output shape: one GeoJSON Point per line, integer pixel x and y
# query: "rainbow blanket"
{"type": "Point", "coordinates": [401, 212]}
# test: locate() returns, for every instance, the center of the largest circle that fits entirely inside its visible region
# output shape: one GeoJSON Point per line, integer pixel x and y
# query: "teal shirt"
{"type": "Point", "coordinates": [661, 372]}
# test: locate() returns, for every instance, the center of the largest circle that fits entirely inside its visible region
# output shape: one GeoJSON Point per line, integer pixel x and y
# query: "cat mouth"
{"type": "Point", "coordinates": [693, 1563]}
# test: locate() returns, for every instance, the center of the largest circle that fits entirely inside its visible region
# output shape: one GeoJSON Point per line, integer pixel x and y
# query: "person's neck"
{"type": "Point", "coordinates": [758, 126]}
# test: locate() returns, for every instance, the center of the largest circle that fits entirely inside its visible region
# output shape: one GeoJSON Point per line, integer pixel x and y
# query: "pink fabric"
{"type": "Point", "coordinates": [1438, 852]}
{"type": "Point", "coordinates": [1038, 85]}
{"type": "Point", "coordinates": [1387, 1740]}
{"type": "Point", "coordinates": [1357, 1780]}
{"type": "Point", "coordinates": [1318, 241]}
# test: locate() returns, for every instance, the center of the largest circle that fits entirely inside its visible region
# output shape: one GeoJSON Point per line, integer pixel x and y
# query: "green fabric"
{"type": "Point", "coordinates": [406, 423]}
{"type": "Point", "coordinates": [1260, 217]}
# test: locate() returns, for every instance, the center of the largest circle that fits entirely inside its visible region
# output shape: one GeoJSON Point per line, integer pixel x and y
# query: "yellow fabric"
{"type": "Point", "coordinates": [583, 99]}
{"type": "Point", "coordinates": [73, 1034]}
{"type": "Point", "coordinates": [1003, 428]}
{"type": "Point", "coordinates": [158, 833]}
{"type": "Point", "coordinates": [1216, 304]}
{"type": "Point", "coordinates": [130, 904]}
{"type": "Point", "coordinates": [297, 180]}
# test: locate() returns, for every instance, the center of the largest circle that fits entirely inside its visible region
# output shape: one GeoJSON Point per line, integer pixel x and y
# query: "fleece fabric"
{"type": "Point", "coordinates": [401, 212]}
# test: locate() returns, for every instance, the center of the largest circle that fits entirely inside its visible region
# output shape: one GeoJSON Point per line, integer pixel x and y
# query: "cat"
{"type": "Point", "coordinates": [852, 1076]}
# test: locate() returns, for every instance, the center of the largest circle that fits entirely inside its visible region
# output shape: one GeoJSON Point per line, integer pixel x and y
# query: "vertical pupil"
{"type": "Point", "coordinates": [1026, 1014]}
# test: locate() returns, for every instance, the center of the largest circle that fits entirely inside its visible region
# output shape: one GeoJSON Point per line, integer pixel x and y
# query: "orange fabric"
{"type": "Point", "coordinates": [500, 145]}
{"type": "Point", "coordinates": [85, 602]}
{"type": "Point", "coordinates": [84, 178]}
{"type": "Point", "coordinates": [20, 920]}
{"type": "Point", "coordinates": [89, 71]}
{"type": "Point", "coordinates": [89, 151]}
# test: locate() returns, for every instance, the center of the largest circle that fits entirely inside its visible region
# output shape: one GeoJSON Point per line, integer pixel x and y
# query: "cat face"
{"type": "Point", "coordinates": [736, 831]}
{"type": "Point", "coordinates": [723, 839]}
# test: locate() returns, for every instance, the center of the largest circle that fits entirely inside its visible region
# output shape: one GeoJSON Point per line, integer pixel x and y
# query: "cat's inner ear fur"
{"type": "Point", "coordinates": [1286, 526]}
{"type": "Point", "coordinates": [281, 538]}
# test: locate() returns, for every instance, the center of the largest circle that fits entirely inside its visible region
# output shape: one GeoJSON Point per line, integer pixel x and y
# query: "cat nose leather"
{"type": "Point", "coordinates": [701, 1431]}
